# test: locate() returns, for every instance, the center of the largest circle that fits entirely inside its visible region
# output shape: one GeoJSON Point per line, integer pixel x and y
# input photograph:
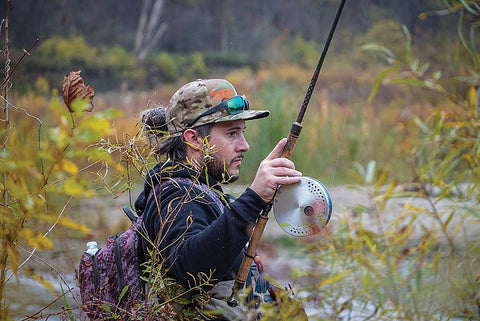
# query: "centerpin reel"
{"type": "Point", "coordinates": [304, 208]}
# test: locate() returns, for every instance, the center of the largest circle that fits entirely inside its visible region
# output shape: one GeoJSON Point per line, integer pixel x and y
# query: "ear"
{"type": "Point", "coordinates": [193, 139]}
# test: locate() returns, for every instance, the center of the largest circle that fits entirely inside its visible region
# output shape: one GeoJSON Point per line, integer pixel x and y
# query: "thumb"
{"type": "Point", "coordinates": [275, 153]}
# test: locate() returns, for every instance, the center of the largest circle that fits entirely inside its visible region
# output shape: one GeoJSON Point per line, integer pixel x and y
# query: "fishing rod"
{"type": "Point", "coordinates": [293, 135]}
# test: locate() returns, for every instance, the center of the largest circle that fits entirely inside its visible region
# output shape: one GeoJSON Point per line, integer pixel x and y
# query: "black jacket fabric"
{"type": "Point", "coordinates": [188, 226]}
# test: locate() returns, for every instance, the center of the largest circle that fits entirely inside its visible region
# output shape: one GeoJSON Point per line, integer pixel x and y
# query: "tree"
{"type": "Point", "coordinates": [150, 28]}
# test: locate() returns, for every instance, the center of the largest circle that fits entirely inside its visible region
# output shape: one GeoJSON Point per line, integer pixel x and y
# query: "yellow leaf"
{"type": "Point", "coordinates": [65, 222]}
{"type": "Point", "coordinates": [382, 179]}
{"type": "Point", "coordinates": [370, 245]}
{"type": "Point", "coordinates": [414, 208]}
{"type": "Point", "coordinates": [40, 279]}
{"type": "Point", "coordinates": [44, 243]}
{"type": "Point", "coordinates": [35, 239]}
{"type": "Point", "coordinates": [456, 124]}
{"type": "Point", "coordinates": [472, 95]}
{"type": "Point", "coordinates": [69, 167]}
{"type": "Point", "coordinates": [473, 162]}
{"type": "Point", "coordinates": [94, 128]}
{"type": "Point", "coordinates": [16, 186]}
{"type": "Point", "coordinates": [13, 257]}
{"type": "Point", "coordinates": [76, 186]}
{"type": "Point", "coordinates": [333, 280]}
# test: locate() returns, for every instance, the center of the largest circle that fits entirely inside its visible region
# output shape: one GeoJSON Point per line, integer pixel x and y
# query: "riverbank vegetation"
{"type": "Point", "coordinates": [395, 114]}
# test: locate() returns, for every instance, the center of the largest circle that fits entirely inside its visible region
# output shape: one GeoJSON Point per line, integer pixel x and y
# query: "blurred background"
{"type": "Point", "coordinates": [137, 53]}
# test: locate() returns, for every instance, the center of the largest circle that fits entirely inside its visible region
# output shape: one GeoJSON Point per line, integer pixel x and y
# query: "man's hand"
{"type": "Point", "coordinates": [259, 263]}
{"type": "Point", "coordinates": [274, 171]}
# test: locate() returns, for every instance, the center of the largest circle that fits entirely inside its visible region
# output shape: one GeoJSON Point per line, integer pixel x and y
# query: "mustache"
{"type": "Point", "coordinates": [239, 157]}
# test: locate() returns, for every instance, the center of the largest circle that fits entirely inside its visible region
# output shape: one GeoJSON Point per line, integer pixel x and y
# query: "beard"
{"type": "Point", "coordinates": [219, 172]}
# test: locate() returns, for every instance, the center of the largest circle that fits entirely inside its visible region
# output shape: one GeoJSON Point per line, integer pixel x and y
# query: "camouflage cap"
{"type": "Point", "coordinates": [196, 97]}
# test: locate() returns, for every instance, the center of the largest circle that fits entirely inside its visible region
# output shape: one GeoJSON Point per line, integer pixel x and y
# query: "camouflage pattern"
{"type": "Point", "coordinates": [196, 97]}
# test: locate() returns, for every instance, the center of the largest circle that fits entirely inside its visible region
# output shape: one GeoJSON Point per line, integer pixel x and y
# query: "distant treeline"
{"type": "Point", "coordinates": [213, 25]}
{"type": "Point", "coordinates": [101, 36]}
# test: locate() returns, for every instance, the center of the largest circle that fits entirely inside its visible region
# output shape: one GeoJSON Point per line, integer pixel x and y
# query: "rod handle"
{"type": "Point", "coordinates": [291, 140]}
{"type": "Point", "coordinates": [248, 257]}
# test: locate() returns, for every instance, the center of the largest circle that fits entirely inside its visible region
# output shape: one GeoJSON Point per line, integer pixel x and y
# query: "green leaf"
{"type": "Point", "coordinates": [79, 105]}
{"type": "Point", "coordinates": [424, 128]}
{"type": "Point", "coordinates": [469, 9]}
{"type": "Point", "coordinates": [379, 80]}
{"type": "Point", "coordinates": [122, 294]}
{"type": "Point", "coordinates": [110, 114]}
{"type": "Point", "coordinates": [378, 48]}
{"type": "Point", "coordinates": [67, 304]}
{"type": "Point", "coordinates": [370, 172]}
{"type": "Point", "coordinates": [418, 279]}
{"type": "Point", "coordinates": [408, 81]}
{"type": "Point", "coordinates": [408, 37]}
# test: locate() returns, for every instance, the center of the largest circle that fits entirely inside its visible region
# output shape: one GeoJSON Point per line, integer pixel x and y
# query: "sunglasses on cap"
{"type": "Point", "coordinates": [234, 105]}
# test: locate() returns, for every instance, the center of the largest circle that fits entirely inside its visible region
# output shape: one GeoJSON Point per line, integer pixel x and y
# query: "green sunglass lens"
{"type": "Point", "coordinates": [236, 105]}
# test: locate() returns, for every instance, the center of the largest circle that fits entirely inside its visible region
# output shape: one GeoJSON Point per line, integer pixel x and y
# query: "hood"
{"type": "Point", "coordinates": [171, 170]}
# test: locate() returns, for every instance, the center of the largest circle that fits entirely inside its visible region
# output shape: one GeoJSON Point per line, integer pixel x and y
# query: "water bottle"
{"type": "Point", "coordinates": [92, 248]}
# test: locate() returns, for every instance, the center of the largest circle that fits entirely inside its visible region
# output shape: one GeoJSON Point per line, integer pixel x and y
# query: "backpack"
{"type": "Point", "coordinates": [109, 278]}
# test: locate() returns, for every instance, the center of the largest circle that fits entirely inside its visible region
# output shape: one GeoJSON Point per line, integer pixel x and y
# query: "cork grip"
{"type": "Point", "coordinates": [291, 140]}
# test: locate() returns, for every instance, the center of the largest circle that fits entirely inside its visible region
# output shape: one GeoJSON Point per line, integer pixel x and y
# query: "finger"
{"type": "Point", "coordinates": [259, 263]}
{"type": "Point", "coordinates": [284, 171]}
{"type": "Point", "coordinates": [277, 150]}
{"type": "Point", "coordinates": [282, 162]}
{"type": "Point", "coordinates": [286, 180]}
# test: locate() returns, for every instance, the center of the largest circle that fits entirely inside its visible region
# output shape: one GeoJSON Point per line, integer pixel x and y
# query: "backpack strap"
{"type": "Point", "coordinates": [129, 213]}
{"type": "Point", "coordinates": [96, 274]}
{"type": "Point", "coordinates": [118, 262]}
{"type": "Point", "coordinates": [118, 254]}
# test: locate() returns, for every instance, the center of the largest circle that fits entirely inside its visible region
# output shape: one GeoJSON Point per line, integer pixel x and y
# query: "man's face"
{"type": "Point", "coordinates": [228, 144]}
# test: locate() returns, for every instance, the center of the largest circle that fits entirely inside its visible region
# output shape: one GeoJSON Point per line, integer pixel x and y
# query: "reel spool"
{"type": "Point", "coordinates": [304, 208]}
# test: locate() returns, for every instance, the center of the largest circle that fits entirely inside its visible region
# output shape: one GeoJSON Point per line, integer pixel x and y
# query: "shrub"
{"type": "Point", "coordinates": [167, 65]}
{"type": "Point", "coordinates": [198, 68]}
{"type": "Point", "coordinates": [57, 52]}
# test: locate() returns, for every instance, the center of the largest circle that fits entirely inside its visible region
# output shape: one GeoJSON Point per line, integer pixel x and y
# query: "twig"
{"type": "Point", "coordinates": [46, 263]}
{"type": "Point", "coordinates": [25, 53]}
{"type": "Point", "coordinates": [35, 315]}
{"type": "Point", "coordinates": [67, 177]}
{"type": "Point", "coordinates": [437, 217]}
{"type": "Point", "coordinates": [22, 109]}
{"type": "Point", "coordinates": [4, 256]}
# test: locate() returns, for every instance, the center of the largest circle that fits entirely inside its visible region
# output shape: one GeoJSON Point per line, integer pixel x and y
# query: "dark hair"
{"type": "Point", "coordinates": [155, 125]}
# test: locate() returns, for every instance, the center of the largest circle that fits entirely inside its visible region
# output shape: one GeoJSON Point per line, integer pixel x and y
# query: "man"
{"type": "Point", "coordinates": [197, 229]}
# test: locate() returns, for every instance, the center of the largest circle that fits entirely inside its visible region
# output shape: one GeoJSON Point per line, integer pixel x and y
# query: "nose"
{"type": "Point", "coordinates": [243, 145]}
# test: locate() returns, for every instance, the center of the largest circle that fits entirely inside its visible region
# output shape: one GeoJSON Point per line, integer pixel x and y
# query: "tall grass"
{"type": "Point", "coordinates": [366, 134]}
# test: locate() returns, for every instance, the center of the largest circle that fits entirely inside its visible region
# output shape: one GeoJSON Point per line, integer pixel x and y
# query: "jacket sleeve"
{"type": "Point", "coordinates": [193, 238]}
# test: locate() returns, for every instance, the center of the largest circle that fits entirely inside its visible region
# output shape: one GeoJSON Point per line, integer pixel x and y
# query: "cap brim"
{"type": "Point", "coordinates": [245, 115]}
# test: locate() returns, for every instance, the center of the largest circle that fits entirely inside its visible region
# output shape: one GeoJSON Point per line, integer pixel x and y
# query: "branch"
{"type": "Point", "coordinates": [25, 53]}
